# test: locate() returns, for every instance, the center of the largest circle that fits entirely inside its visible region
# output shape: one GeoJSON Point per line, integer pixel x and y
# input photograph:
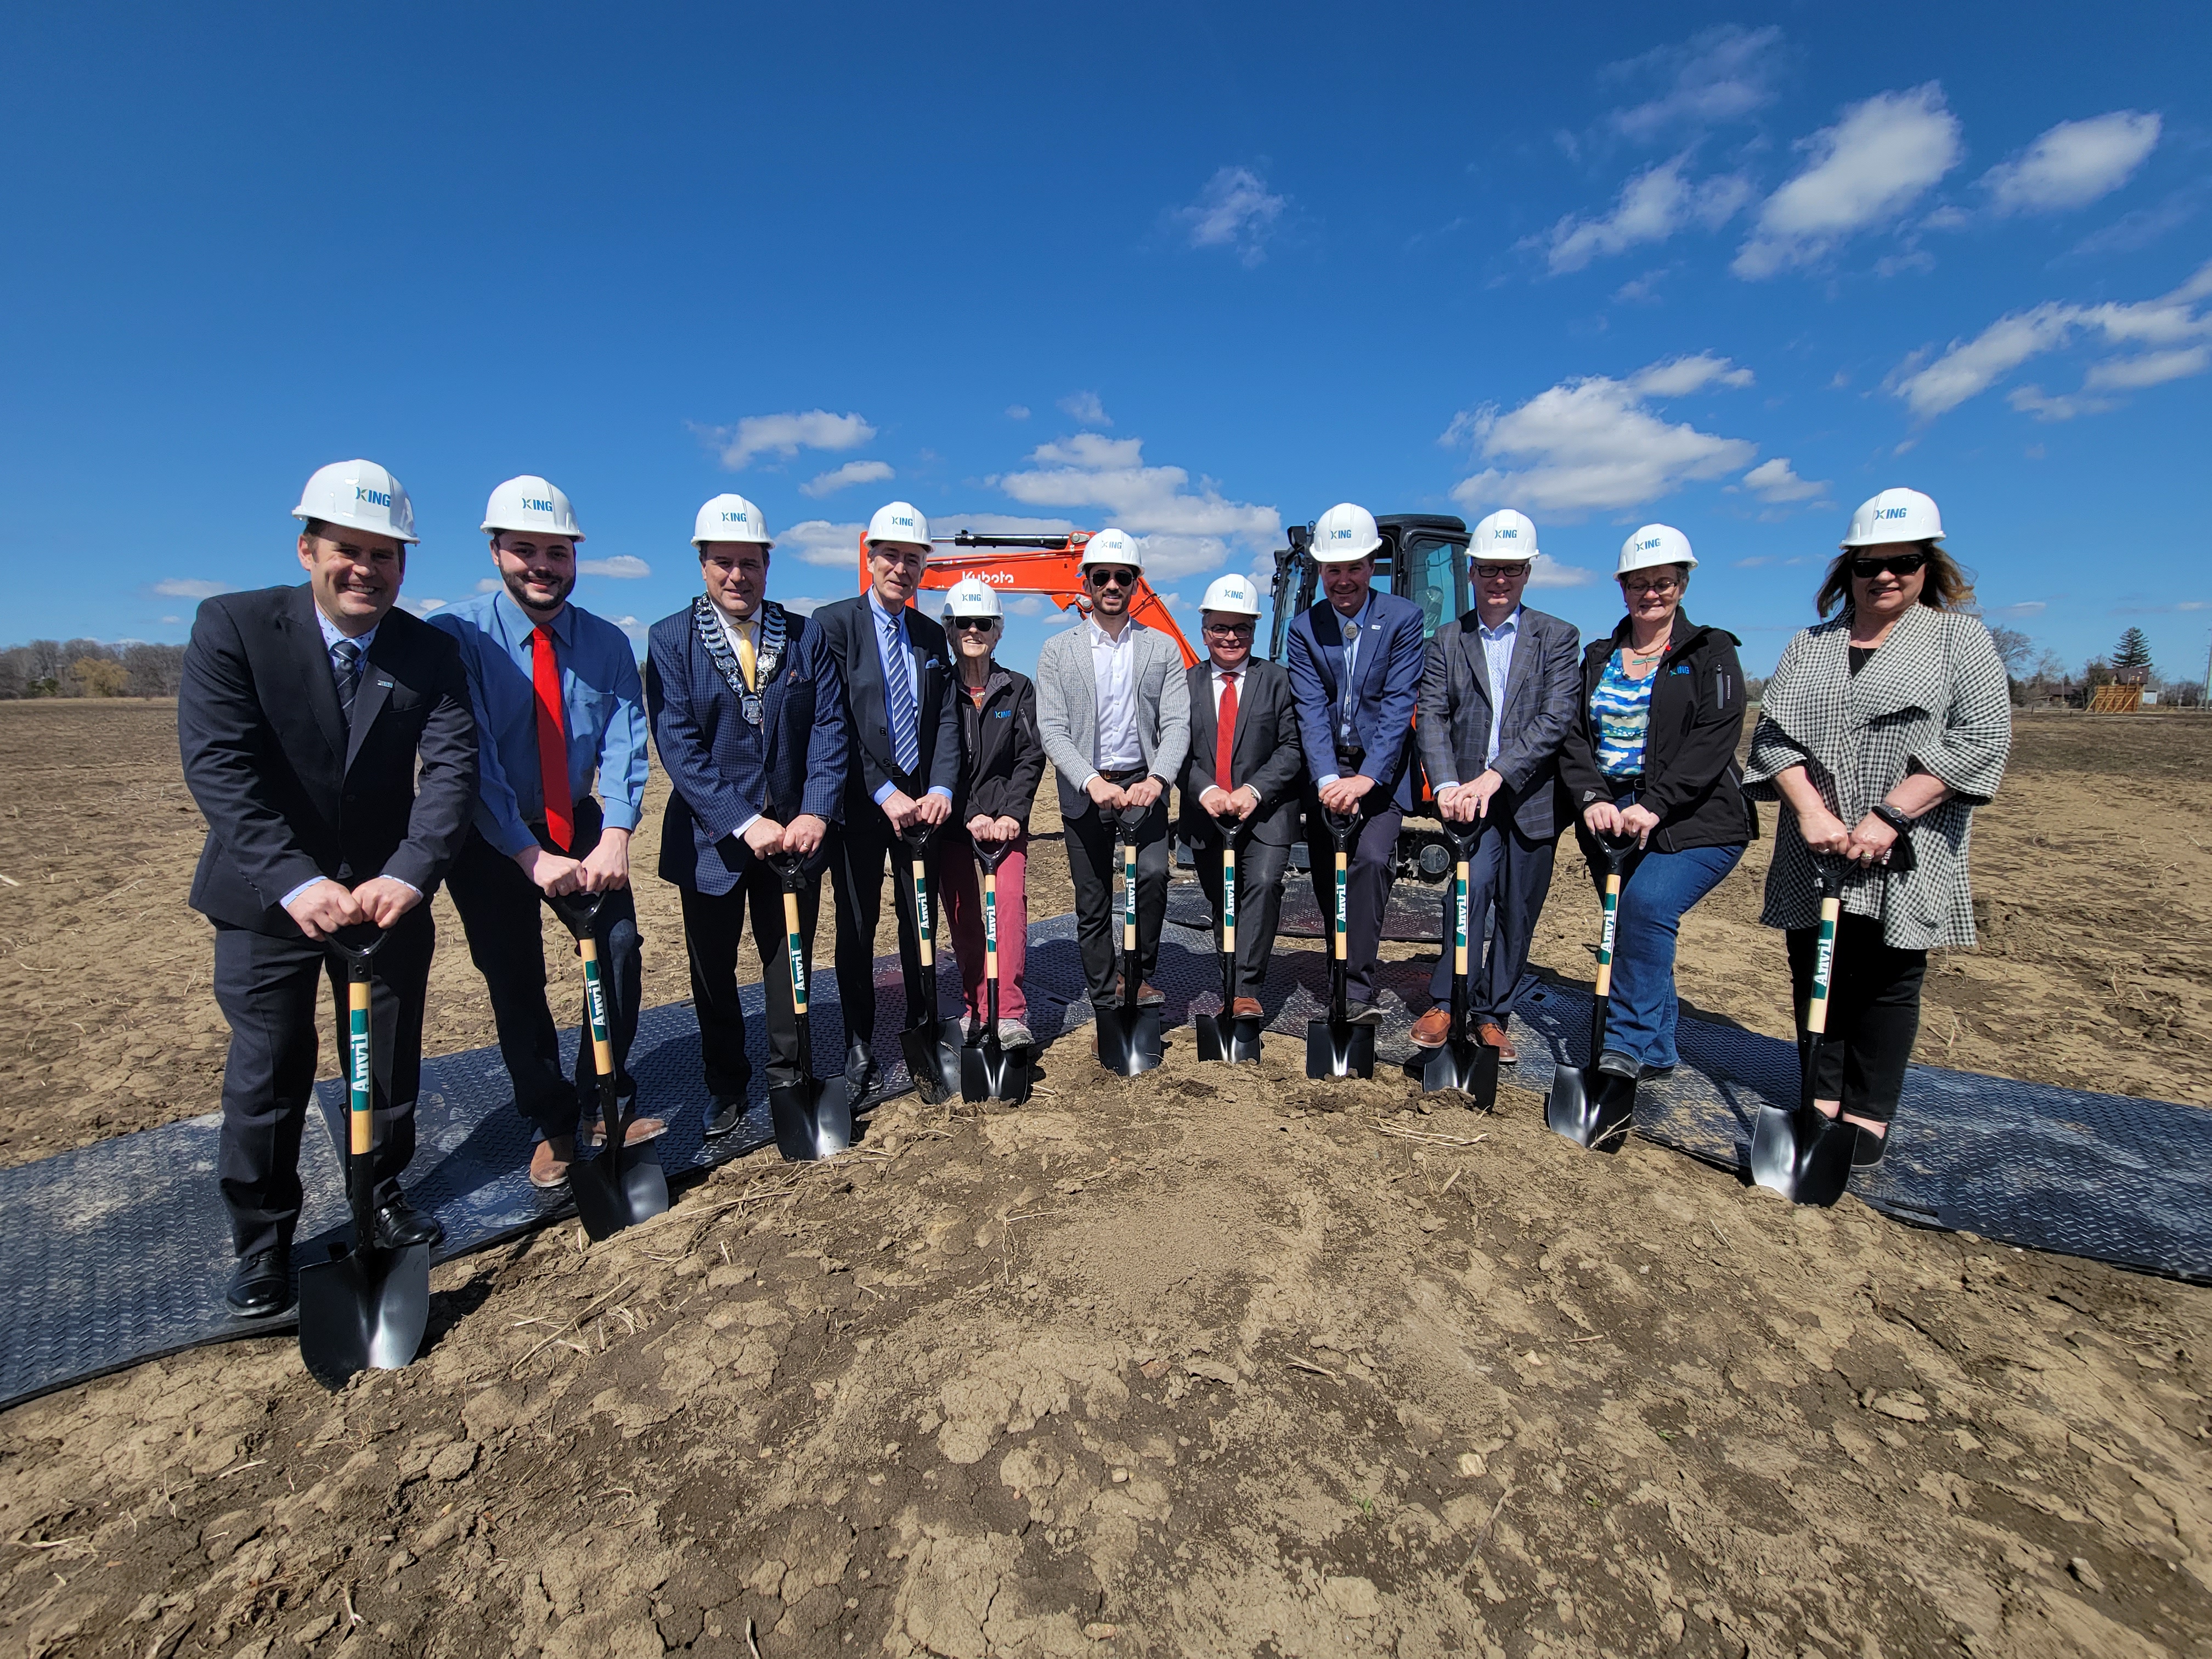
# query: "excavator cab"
{"type": "Point", "coordinates": [1423, 558]}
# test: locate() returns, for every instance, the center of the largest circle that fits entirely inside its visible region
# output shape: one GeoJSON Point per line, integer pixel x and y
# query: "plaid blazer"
{"type": "Point", "coordinates": [1935, 698]}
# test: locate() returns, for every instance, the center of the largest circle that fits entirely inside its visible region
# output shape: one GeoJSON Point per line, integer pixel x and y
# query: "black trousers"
{"type": "Point", "coordinates": [503, 913]}
{"type": "Point", "coordinates": [1506, 886]}
{"type": "Point", "coordinates": [1366, 889]}
{"type": "Point", "coordinates": [268, 989]}
{"type": "Point", "coordinates": [713, 926]}
{"type": "Point", "coordinates": [1874, 1015]}
{"type": "Point", "coordinates": [859, 851]}
{"type": "Point", "coordinates": [1259, 905]}
{"type": "Point", "coordinates": [1094, 863]}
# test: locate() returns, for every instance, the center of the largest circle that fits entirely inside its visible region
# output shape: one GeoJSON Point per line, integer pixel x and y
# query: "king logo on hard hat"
{"type": "Point", "coordinates": [730, 518]}
{"type": "Point", "coordinates": [358, 496]}
{"type": "Point", "coordinates": [899, 521]}
{"type": "Point", "coordinates": [1505, 537]}
{"type": "Point", "coordinates": [533, 507]}
{"type": "Point", "coordinates": [1232, 595]}
{"type": "Point", "coordinates": [1654, 544]}
{"type": "Point", "coordinates": [971, 596]}
{"type": "Point", "coordinates": [1345, 535]}
{"type": "Point", "coordinates": [1895, 516]}
{"type": "Point", "coordinates": [1111, 546]}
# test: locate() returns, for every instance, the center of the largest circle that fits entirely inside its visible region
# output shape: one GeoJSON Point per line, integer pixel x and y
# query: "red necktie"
{"type": "Point", "coordinates": [552, 741]}
{"type": "Point", "coordinates": [1225, 738]}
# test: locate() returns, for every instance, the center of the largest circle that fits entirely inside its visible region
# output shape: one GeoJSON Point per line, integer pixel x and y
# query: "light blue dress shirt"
{"type": "Point", "coordinates": [602, 703]}
{"type": "Point", "coordinates": [895, 650]}
{"type": "Point", "coordinates": [1497, 657]}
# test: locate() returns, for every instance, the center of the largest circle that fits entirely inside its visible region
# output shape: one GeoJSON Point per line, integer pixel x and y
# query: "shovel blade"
{"type": "Point", "coordinates": [618, 1189]}
{"type": "Point", "coordinates": [1130, 1040]}
{"type": "Point", "coordinates": [1337, 1048]}
{"type": "Point", "coordinates": [1470, 1068]}
{"type": "Point", "coordinates": [931, 1060]}
{"type": "Point", "coordinates": [988, 1072]}
{"type": "Point", "coordinates": [364, 1309]}
{"type": "Point", "coordinates": [812, 1118]}
{"type": "Point", "coordinates": [1803, 1156]}
{"type": "Point", "coordinates": [1593, 1108]}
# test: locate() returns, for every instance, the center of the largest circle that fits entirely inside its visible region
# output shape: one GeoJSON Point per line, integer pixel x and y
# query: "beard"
{"type": "Point", "coordinates": [516, 591]}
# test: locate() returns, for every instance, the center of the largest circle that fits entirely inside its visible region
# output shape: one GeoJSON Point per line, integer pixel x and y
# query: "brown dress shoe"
{"type": "Point", "coordinates": [1433, 1029]}
{"type": "Point", "coordinates": [1246, 1008]}
{"type": "Point", "coordinates": [1149, 995]}
{"type": "Point", "coordinates": [549, 1164]}
{"type": "Point", "coordinates": [641, 1130]}
{"type": "Point", "coordinates": [1495, 1036]}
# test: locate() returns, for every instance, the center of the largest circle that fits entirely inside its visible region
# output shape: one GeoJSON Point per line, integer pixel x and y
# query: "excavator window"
{"type": "Point", "coordinates": [1431, 576]}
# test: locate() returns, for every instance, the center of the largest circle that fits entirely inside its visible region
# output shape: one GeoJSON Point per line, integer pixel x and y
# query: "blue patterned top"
{"type": "Point", "coordinates": [1620, 707]}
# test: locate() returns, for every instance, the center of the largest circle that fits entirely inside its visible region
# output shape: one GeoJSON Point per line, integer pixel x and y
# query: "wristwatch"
{"type": "Point", "coordinates": [1890, 816]}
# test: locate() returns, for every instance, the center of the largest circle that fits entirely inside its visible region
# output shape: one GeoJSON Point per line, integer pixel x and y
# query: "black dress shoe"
{"type": "Point", "coordinates": [723, 1114]}
{"type": "Point", "coordinates": [399, 1224]}
{"type": "Point", "coordinates": [860, 1073]}
{"type": "Point", "coordinates": [261, 1283]}
{"type": "Point", "coordinates": [1655, 1073]}
{"type": "Point", "coordinates": [1361, 1014]}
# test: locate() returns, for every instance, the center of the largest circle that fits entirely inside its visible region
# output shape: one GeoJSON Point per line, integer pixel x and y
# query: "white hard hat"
{"type": "Point", "coordinates": [1656, 543]}
{"type": "Point", "coordinates": [1112, 546]}
{"type": "Point", "coordinates": [359, 496]}
{"type": "Point", "coordinates": [1237, 596]}
{"type": "Point", "coordinates": [730, 518]}
{"type": "Point", "coordinates": [1505, 537]}
{"type": "Point", "coordinates": [971, 596]}
{"type": "Point", "coordinates": [1345, 535]}
{"type": "Point", "coordinates": [532, 505]}
{"type": "Point", "coordinates": [1895, 516]}
{"type": "Point", "coordinates": [901, 521]}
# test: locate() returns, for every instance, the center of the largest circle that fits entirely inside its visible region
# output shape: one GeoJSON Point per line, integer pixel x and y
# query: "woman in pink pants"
{"type": "Point", "coordinates": [1002, 761]}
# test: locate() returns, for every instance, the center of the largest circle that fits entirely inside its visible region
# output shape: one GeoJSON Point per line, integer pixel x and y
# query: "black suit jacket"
{"type": "Point", "coordinates": [289, 793]}
{"type": "Point", "coordinates": [848, 628]}
{"type": "Point", "coordinates": [1264, 752]}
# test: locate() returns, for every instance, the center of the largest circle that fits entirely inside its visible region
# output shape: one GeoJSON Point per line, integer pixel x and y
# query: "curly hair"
{"type": "Point", "coordinates": [1950, 586]}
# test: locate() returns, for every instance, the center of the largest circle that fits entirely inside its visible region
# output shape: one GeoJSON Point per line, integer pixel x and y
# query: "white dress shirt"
{"type": "Point", "coordinates": [1113, 665]}
{"type": "Point", "coordinates": [1497, 657]}
{"type": "Point", "coordinates": [744, 637]}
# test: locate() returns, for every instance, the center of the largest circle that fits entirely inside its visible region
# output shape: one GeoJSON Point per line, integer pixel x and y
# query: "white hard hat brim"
{"type": "Point", "coordinates": [1876, 539]}
{"type": "Point", "coordinates": [494, 525]}
{"type": "Point", "coordinates": [1346, 555]}
{"type": "Point", "coordinates": [760, 542]}
{"type": "Point", "coordinates": [1503, 558]}
{"type": "Point", "coordinates": [303, 515]}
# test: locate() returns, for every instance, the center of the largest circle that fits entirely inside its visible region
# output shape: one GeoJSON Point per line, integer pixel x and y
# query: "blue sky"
{"type": "Point", "coordinates": [1196, 271]}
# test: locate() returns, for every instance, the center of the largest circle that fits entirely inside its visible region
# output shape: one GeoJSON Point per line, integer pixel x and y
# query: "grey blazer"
{"type": "Point", "coordinates": [1542, 689]}
{"type": "Point", "coordinates": [1067, 709]}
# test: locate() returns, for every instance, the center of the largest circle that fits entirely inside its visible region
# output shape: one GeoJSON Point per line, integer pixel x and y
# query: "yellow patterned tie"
{"type": "Point", "coordinates": [744, 631]}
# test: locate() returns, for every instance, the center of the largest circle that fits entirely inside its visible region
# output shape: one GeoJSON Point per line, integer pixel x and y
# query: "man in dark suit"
{"type": "Point", "coordinates": [303, 718]}
{"type": "Point", "coordinates": [905, 766]}
{"type": "Point", "coordinates": [1355, 663]}
{"type": "Point", "coordinates": [1496, 698]}
{"type": "Point", "coordinates": [1251, 778]}
{"type": "Point", "coordinates": [748, 712]}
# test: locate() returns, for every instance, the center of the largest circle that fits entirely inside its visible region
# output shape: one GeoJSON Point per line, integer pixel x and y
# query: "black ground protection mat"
{"type": "Point", "coordinates": [117, 1252]}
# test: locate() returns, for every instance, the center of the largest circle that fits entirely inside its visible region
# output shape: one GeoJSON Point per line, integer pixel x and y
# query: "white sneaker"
{"type": "Point", "coordinates": [1012, 1034]}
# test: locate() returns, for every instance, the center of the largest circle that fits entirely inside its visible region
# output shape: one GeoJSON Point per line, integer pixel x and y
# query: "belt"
{"type": "Point", "coordinates": [1122, 774]}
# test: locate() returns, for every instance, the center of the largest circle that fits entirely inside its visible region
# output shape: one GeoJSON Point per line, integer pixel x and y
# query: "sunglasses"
{"type": "Point", "coordinates": [974, 624]}
{"type": "Point", "coordinates": [1898, 564]}
{"type": "Point", "coordinates": [1111, 576]}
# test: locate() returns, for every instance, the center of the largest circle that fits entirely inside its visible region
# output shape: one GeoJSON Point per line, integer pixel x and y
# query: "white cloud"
{"type": "Point", "coordinates": [1719, 75]}
{"type": "Point", "coordinates": [1754, 562]}
{"type": "Point", "coordinates": [1083, 406]}
{"type": "Point", "coordinates": [785, 435]}
{"type": "Point", "coordinates": [2073, 164]}
{"type": "Point", "coordinates": [2024, 608]}
{"type": "Point", "coordinates": [1864, 171]}
{"type": "Point", "coordinates": [1594, 443]}
{"type": "Point", "coordinates": [1018, 412]}
{"type": "Point", "coordinates": [1550, 572]}
{"type": "Point", "coordinates": [1234, 210]}
{"type": "Point", "coordinates": [817, 541]}
{"type": "Point", "coordinates": [853, 472]}
{"type": "Point", "coordinates": [190, 587]}
{"type": "Point", "coordinates": [420, 607]}
{"type": "Point", "coordinates": [2167, 326]}
{"type": "Point", "coordinates": [632, 626]}
{"type": "Point", "coordinates": [1773, 481]}
{"type": "Point", "coordinates": [622, 567]}
{"type": "Point", "coordinates": [1652, 206]}
{"type": "Point", "coordinates": [1025, 604]}
{"type": "Point", "coordinates": [803, 606]}
{"type": "Point", "coordinates": [173, 619]}
{"type": "Point", "coordinates": [490, 585]}
{"type": "Point", "coordinates": [1110, 474]}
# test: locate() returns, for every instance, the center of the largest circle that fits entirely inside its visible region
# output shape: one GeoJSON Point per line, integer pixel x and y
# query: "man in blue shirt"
{"type": "Point", "coordinates": [558, 701]}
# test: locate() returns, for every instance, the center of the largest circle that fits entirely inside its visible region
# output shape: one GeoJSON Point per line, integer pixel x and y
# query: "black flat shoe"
{"type": "Point", "coordinates": [399, 1225]}
{"type": "Point", "coordinates": [1655, 1073]}
{"type": "Point", "coordinates": [261, 1283]}
{"type": "Point", "coordinates": [1362, 1013]}
{"type": "Point", "coordinates": [723, 1114]}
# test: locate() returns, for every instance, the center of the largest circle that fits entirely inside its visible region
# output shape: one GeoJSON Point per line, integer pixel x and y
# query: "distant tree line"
{"type": "Point", "coordinates": [85, 668]}
{"type": "Point", "coordinates": [2044, 678]}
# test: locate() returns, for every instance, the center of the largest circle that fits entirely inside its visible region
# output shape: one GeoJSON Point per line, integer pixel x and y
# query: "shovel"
{"type": "Point", "coordinates": [812, 1118]}
{"type": "Point", "coordinates": [1594, 1108]}
{"type": "Point", "coordinates": [1129, 1040]}
{"type": "Point", "coordinates": [1805, 1155]}
{"type": "Point", "coordinates": [1462, 1063]}
{"type": "Point", "coordinates": [989, 1070]}
{"type": "Point", "coordinates": [1335, 1047]}
{"type": "Point", "coordinates": [623, 1185]}
{"type": "Point", "coordinates": [1223, 1036]}
{"type": "Point", "coordinates": [932, 1059]}
{"type": "Point", "coordinates": [366, 1307]}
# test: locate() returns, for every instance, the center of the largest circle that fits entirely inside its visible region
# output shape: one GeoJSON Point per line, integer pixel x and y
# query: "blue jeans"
{"type": "Point", "coordinates": [1657, 889]}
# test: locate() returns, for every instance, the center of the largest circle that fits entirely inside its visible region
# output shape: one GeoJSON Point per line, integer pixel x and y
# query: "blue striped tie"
{"type": "Point", "coordinates": [906, 746]}
{"type": "Point", "coordinates": [346, 670]}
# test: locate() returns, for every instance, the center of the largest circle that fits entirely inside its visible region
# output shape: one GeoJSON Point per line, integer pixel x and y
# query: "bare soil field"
{"type": "Point", "coordinates": [1202, 1364]}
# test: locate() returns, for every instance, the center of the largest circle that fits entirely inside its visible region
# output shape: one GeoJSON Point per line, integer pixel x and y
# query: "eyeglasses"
{"type": "Point", "coordinates": [1631, 584]}
{"type": "Point", "coordinates": [1106, 575]}
{"type": "Point", "coordinates": [1229, 630]}
{"type": "Point", "coordinates": [1494, 573]}
{"type": "Point", "coordinates": [1897, 564]}
{"type": "Point", "coordinates": [974, 624]}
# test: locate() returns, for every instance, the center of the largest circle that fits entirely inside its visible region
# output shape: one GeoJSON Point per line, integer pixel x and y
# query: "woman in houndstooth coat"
{"type": "Point", "coordinates": [1883, 727]}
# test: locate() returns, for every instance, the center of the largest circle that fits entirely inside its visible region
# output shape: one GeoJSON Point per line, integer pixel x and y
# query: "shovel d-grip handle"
{"type": "Point", "coordinates": [577, 911]}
